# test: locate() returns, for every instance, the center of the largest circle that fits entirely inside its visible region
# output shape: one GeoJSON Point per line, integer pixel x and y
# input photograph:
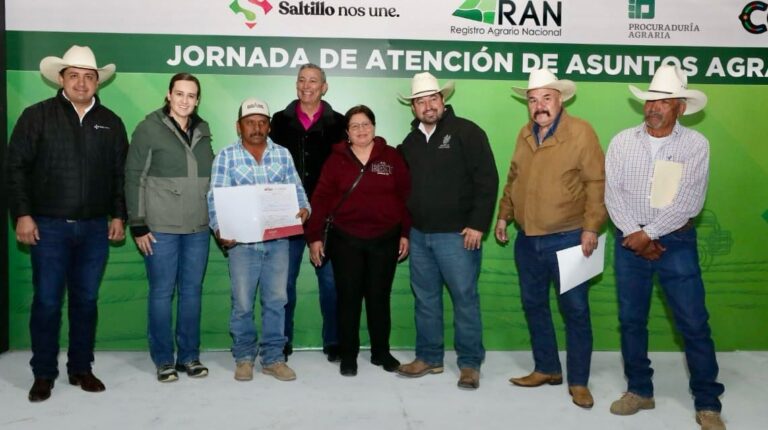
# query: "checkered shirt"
{"type": "Point", "coordinates": [234, 166]}
{"type": "Point", "coordinates": [628, 179]}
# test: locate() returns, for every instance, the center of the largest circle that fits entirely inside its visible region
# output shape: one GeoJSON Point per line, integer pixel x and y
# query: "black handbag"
{"type": "Point", "coordinates": [329, 219]}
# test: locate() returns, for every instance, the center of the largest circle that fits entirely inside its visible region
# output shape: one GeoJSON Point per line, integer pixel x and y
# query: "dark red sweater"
{"type": "Point", "coordinates": [376, 205]}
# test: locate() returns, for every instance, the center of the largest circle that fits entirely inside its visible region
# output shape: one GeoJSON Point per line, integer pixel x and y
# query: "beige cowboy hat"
{"type": "Point", "coordinates": [543, 78]}
{"type": "Point", "coordinates": [669, 82]}
{"type": "Point", "coordinates": [424, 84]}
{"type": "Point", "coordinates": [77, 56]}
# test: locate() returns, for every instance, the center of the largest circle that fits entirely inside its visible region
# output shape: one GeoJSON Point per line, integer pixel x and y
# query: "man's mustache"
{"type": "Point", "coordinates": [542, 111]}
{"type": "Point", "coordinates": [653, 115]}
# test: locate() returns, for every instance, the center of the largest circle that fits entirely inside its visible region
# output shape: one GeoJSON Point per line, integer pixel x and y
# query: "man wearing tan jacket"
{"type": "Point", "coordinates": [554, 194]}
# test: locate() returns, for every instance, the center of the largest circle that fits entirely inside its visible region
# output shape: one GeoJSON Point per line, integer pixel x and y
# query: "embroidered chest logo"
{"type": "Point", "coordinates": [446, 142]}
{"type": "Point", "coordinates": [381, 168]}
{"type": "Point", "coordinates": [100, 127]}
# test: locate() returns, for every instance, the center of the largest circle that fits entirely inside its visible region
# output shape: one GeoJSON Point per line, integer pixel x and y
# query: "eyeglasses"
{"type": "Point", "coordinates": [360, 126]}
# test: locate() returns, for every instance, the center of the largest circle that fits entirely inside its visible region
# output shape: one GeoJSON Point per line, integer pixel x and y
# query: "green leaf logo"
{"type": "Point", "coordinates": [477, 10]}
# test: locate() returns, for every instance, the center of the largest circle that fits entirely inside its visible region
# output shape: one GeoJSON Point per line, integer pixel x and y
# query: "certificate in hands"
{"type": "Point", "coordinates": [255, 213]}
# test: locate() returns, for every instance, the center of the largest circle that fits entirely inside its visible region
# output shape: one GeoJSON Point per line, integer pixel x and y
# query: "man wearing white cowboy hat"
{"type": "Point", "coordinates": [656, 236]}
{"type": "Point", "coordinates": [65, 182]}
{"type": "Point", "coordinates": [554, 194]}
{"type": "Point", "coordinates": [454, 185]}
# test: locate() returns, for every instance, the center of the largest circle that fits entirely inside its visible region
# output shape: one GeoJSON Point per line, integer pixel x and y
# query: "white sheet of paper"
{"type": "Point", "coordinates": [665, 182]}
{"type": "Point", "coordinates": [254, 213]}
{"type": "Point", "coordinates": [576, 269]}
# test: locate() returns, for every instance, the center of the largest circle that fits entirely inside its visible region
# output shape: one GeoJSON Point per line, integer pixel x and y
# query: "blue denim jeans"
{"type": "Point", "coordinates": [327, 292]}
{"type": "Point", "coordinates": [537, 268]}
{"type": "Point", "coordinates": [680, 278]}
{"type": "Point", "coordinates": [177, 265]}
{"type": "Point", "coordinates": [70, 255]}
{"type": "Point", "coordinates": [437, 259]}
{"type": "Point", "coordinates": [249, 269]}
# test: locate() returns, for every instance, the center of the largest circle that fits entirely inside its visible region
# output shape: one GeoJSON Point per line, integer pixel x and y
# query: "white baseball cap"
{"type": "Point", "coordinates": [252, 106]}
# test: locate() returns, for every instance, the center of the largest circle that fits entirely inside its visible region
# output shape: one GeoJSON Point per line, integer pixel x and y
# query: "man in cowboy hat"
{"type": "Point", "coordinates": [554, 194]}
{"type": "Point", "coordinates": [656, 236]}
{"type": "Point", "coordinates": [65, 182]}
{"type": "Point", "coordinates": [454, 185]}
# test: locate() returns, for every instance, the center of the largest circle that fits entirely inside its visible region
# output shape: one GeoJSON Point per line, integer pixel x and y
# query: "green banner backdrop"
{"type": "Point", "coordinates": [733, 227]}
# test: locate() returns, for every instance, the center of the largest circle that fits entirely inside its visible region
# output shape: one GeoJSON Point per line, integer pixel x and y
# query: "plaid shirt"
{"type": "Point", "coordinates": [234, 166]}
{"type": "Point", "coordinates": [629, 172]}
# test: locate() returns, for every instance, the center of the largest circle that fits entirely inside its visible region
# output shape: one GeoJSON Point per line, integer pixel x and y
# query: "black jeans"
{"type": "Point", "coordinates": [363, 268]}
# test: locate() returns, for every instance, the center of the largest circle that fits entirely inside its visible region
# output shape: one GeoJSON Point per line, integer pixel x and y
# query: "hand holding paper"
{"type": "Point", "coordinates": [255, 213]}
{"type": "Point", "coordinates": [575, 268]}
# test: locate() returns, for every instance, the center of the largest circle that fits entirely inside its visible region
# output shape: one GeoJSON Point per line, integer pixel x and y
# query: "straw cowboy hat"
{"type": "Point", "coordinates": [670, 82]}
{"type": "Point", "coordinates": [424, 84]}
{"type": "Point", "coordinates": [543, 78]}
{"type": "Point", "coordinates": [77, 56]}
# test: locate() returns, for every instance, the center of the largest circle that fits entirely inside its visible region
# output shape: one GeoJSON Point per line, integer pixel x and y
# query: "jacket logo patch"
{"type": "Point", "coordinates": [445, 144]}
{"type": "Point", "coordinates": [100, 127]}
{"type": "Point", "coordinates": [381, 168]}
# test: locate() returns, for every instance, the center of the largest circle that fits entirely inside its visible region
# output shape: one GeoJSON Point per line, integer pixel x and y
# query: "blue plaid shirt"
{"type": "Point", "coordinates": [234, 166]}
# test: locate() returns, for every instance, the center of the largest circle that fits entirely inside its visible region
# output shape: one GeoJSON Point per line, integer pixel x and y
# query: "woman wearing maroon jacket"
{"type": "Point", "coordinates": [369, 234]}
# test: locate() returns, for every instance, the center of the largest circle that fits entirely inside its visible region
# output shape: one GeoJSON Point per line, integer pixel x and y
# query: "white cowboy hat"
{"type": "Point", "coordinates": [77, 56]}
{"type": "Point", "coordinates": [543, 78]}
{"type": "Point", "coordinates": [669, 82]}
{"type": "Point", "coordinates": [424, 84]}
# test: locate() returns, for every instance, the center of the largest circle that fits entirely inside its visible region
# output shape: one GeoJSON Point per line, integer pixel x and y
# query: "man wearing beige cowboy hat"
{"type": "Point", "coordinates": [554, 195]}
{"type": "Point", "coordinates": [454, 185]}
{"type": "Point", "coordinates": [65, 183]}
{"type": "Point", "coordinates": [670, 163]}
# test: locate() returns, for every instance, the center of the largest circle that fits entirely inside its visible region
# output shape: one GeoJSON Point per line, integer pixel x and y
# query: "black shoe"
{"type": "Point", "coordinates": [287, 350]}
{"type": "Point", "coordinates": [87, 381]}
{"type": "Point", "coordinates": [41, 390]}
{"type": "Point", "coordinates": [387, 361]}
{"type": "Point", "coordinates": [348, 367]}
{"type": "Point", "coordinates": [332, 351]}
{"type": "Point", "coordinates": [167, 373]}
{"type": "Point", "coordinates": [193, 369]}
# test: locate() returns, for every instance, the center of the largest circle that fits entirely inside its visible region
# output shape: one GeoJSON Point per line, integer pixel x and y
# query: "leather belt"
{"type": "Point", "coordinates": [687, 226]}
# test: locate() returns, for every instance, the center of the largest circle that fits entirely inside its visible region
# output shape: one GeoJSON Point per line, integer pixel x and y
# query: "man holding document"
{"type": "Point", "coordinates": [656, 181]}
{"type": "Point", "coordinates": [554, 194]}
{"type": "Point", "coordinates": [256, 200]}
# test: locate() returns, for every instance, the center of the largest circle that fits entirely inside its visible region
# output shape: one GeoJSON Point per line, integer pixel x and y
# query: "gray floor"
{"type": "Point", "coordinates": [322, 399]}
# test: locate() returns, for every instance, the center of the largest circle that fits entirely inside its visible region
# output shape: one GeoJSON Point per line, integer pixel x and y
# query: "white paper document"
{"type": "Point", "coordinates": [255, 213]}
{"type": "Point", "coordinates": [665, 182]}
{"type": "Point", "coordinates": [576, 269]}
